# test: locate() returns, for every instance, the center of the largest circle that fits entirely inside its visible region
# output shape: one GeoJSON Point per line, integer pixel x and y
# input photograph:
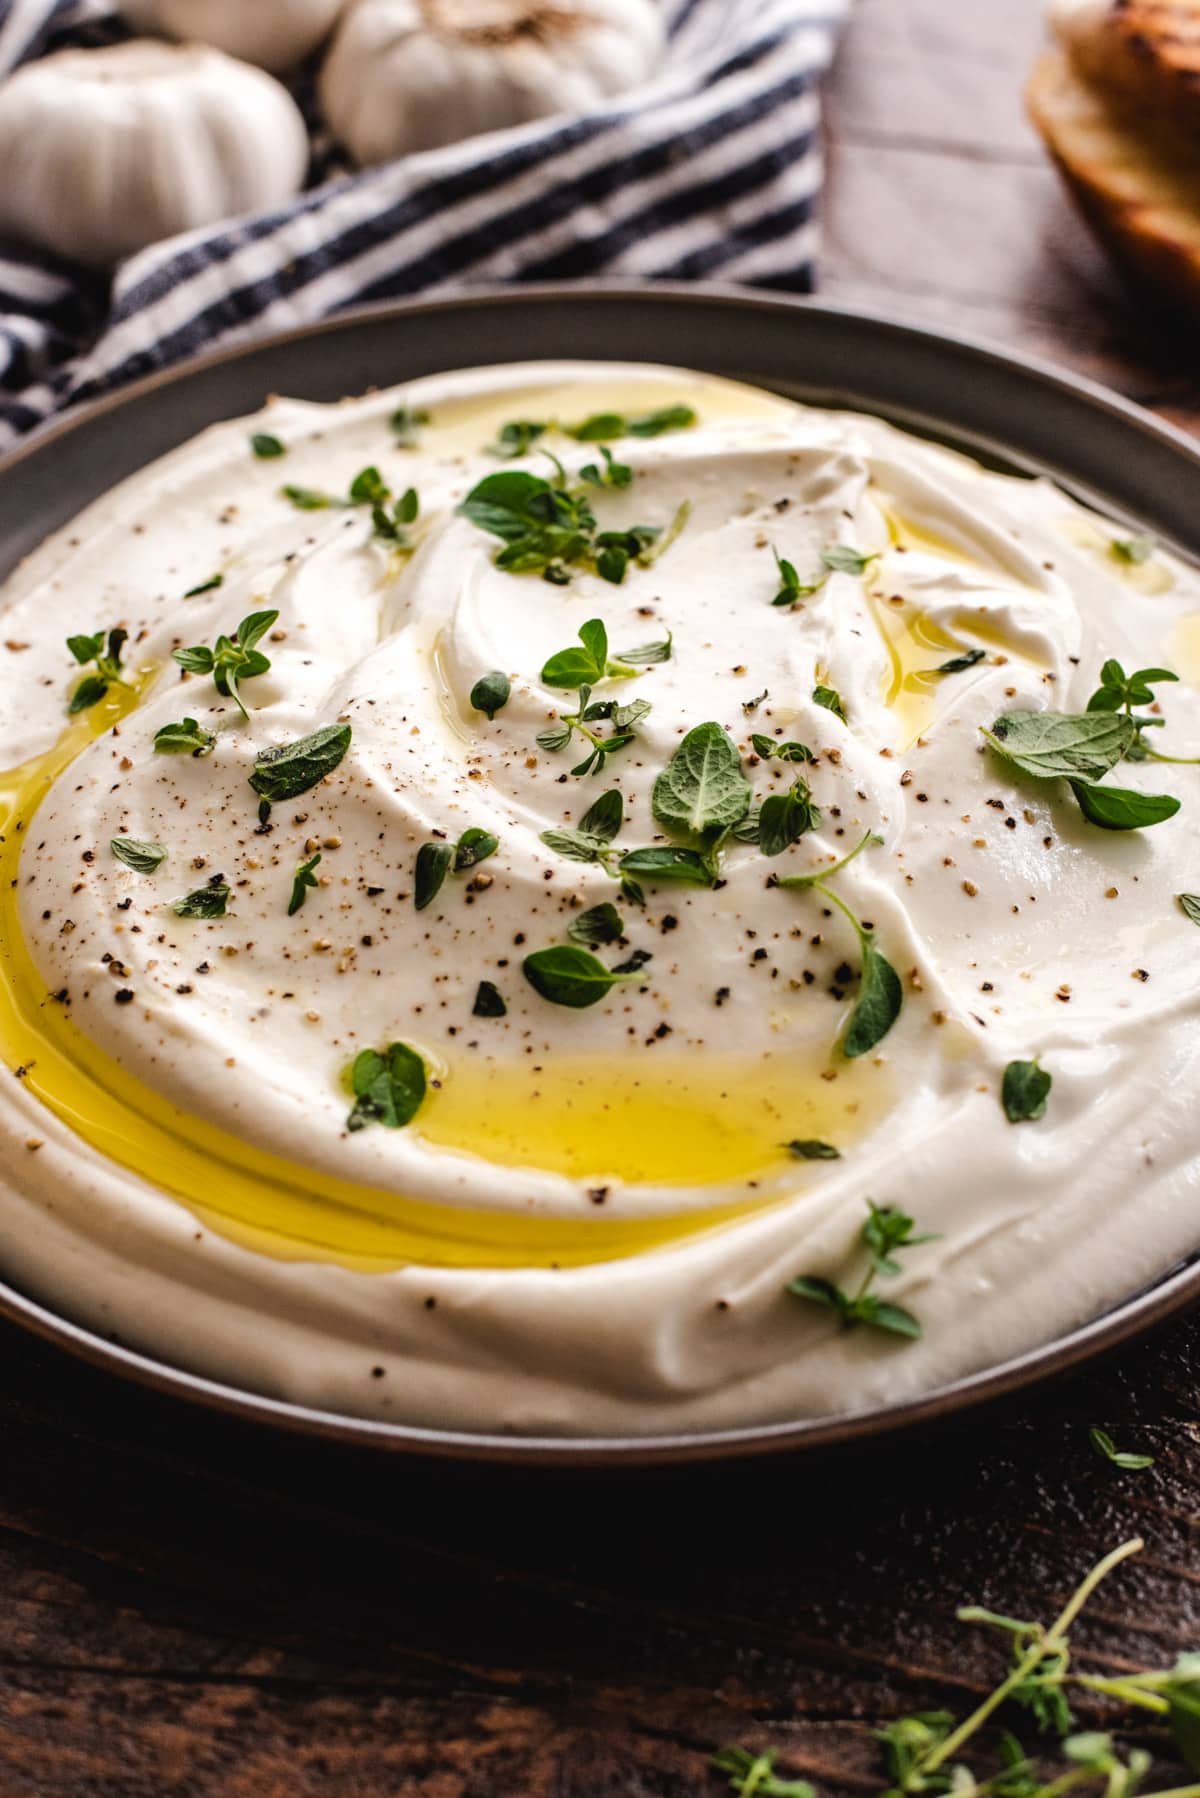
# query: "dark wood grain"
{"type": "Point", "coordinates": [190, 1608]}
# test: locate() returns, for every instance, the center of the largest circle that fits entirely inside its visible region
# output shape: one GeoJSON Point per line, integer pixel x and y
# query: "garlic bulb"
{"type": "Point", "coordinates": [106, 151]}
{"type": "Point", "coordinates": [275, 34]}
{"type": "Point", "coordinates": [410, 74]}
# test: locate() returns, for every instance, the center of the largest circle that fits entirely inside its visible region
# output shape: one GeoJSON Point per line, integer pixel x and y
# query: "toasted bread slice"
{"type": "Point", "coordinates": [1146, 52]}
{"type": "Point", "coordinates": [1139, 188]}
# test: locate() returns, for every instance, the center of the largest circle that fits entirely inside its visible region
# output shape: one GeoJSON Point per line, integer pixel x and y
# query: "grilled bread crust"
{"type": "Point", "coordinates": [1135, 177]}
{"type": "Point", "coordinates": [1146, 53]}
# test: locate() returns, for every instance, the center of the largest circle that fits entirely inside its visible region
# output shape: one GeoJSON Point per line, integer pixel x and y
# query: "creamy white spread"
{"type": "Point", "coordinates": [622, 1215]}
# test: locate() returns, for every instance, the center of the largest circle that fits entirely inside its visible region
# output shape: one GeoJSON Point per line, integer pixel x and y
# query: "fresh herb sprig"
{"type": "Point", "coordinates": [701, 796]}
{"type": "Point", "coordinates": [104, 649]}
{"type": "Point", "coordinates": [886, 1232]}
{"type": "Point", "coordinates": [303, 880]}
{"type": "Point", "coordinates": [591, 841]}
{"type": "Point", "coordinates": [880, 994]}
{"type": "Point", "coordinates": [753, 1775]}
{"type": "Point", "coordinates": [389, 514]}
{"type": "Point", "coordinates": [1120, 692]}
{"type": "Point", "coordinates": [1081, 748]}
{"type": "Point", "coordinates": [1103, 1445]}
{"type": "Point", "coordinates": [518, 436]}
{"type": "Point", "coordinates": [836, 558]}
{"type": "Point", "coordinates": [438, 858]}
{"type": "Point", "coordinates": [584, 666]}
{"type": "Point", "coordinates": [231, 660]}
{"type": "Point", "coordinates": [922, 1753]}
{"type": "Point", "coordinates": [547, 527]}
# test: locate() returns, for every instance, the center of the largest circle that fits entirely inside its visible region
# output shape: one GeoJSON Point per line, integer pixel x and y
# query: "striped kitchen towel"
{"type": "Point", "coordinates": [710, 169]}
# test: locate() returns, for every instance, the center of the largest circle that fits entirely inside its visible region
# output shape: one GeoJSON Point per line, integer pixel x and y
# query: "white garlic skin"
{"type": "Point", "coordinates": [107, 151]}
{"type": "Point", "coordinates": [406, 75]}
{"type": "Point", "coordinates": [275, 34]}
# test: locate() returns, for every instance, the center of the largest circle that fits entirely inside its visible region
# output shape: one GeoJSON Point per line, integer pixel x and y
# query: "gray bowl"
{"type": "Point", "coordinates": [1016, 414]}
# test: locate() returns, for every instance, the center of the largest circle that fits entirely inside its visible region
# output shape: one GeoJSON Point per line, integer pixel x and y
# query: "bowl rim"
{"type": "Point", "coordinates": [1133, 1316]}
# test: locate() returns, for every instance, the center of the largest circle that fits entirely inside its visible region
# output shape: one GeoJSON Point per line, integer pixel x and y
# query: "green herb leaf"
{"type": "Point", "coordinates": [1135, 550]}
{"type": "Point", "coordinates": [517, 437]}
{"type": "Point", "coordinates": [88, 693]}
{"type": "Point", "coordinates": [831, 699]}
{"type": "Point", "coordinates": [1189, 905]}
{"type": "Point", "coordinates": [669, 866]}
{"type": "Point", "coordinates": [646, 654]}
{"type": "Point", "coordinates": [608, 472]}
{"type": "Point", "coordinates": [302, 880]}
{"type": "Point", "coordinates": [489, 1002]}
{"type": "Point", "coordinates": [1122, 808]}
{"type": "Point", "coordinates": [598, 925]}
{"type": "Point", "coordinates": [86, 649]}
{"type": "Point", "coordinates": [702, 789]}
{"type": "Point", "coordinates": [491, 692]}
{"type": "Point", "coordinates": [474, 846]}
{"type": "Point", "coordinates": [809, 1149]}
{"type": "Point", "coordinates": [142, 857]}
{"type": "Point", "coordinates": [205, 902]}
{"type": "Point", "coordinates": [510, 505]}
{"type": "Point", "coordinates": [1107, 1449]}
{"type": "Point", "coordinates": [960, 664]}
{"type": "Point", "coordinates": [666, 418]}
{"type": "Point", "coordinates": [1024, 1091]}
{"type": "Point", "coordinates": [1071, 746]}
{"type": "Point", "coordinates": [579, 666]}
{"type": "Point", "coordinates": [784, 818]}
{"type": "Point", "coordinates": [309, 499]}
{"type": "Point", "coordinates": [208, 586]}
{"type": "Point", "coordinates": [184, 738]}
{"type": "Point", "coordinates": [93, 687]}
{"type": "Point", "coordinates": [266, 447]}
{"type": "Point", "coordinates": [566, 975]}
{"type": "Point", "coordinates": [839, 558]}
{"type": "Point", "coordinates": [434, 862]}
{"type": "Point", "coordinates": [766, 747]}
{"type": "Point", "coordinates": [289, 769]}
{"type": "Point", "coordinates": [388, 1087]}
{"type": "Point", "coordinates": [880, 998]}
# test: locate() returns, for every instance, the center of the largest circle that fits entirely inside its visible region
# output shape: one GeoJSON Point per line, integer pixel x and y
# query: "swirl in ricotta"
{"type": "Point", "coordinates": [590, 1224]}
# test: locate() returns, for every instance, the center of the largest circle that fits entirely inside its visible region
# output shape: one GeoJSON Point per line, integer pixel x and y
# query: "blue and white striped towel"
{"type": "Point", "coordinates": [711, 169]}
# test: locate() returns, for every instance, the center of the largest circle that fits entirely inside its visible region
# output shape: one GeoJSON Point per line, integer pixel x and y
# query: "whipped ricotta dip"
{"type": "Point", "coordinates": [357, 1055]}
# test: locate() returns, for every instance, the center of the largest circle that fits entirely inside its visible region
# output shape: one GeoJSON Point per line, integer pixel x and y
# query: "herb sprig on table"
{"type": "Point", "coordinates": [103, 648]}
{"type": "Point", "coordinates": [922, 1753]}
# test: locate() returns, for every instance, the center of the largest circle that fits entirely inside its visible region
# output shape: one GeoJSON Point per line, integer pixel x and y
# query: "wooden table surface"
{"type": "Point", "coordinates": [189, 1608]}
